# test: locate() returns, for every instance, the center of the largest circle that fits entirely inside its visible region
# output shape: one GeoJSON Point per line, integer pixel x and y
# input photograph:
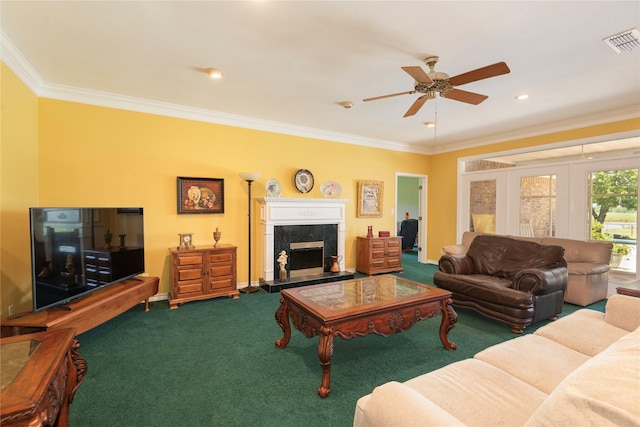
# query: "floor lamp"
{"type": "Point", "coordinates": [249, 177]}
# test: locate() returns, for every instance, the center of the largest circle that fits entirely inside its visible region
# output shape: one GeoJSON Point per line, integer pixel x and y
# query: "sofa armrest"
{"type": "Point", "coordinates": [395, 404]}
{"type": "Point", "coordinates": [541, 281]}
{"type": "Point", "coordinates": [456, 264]}
{"type": "Point", "coordinates": [623, 311]}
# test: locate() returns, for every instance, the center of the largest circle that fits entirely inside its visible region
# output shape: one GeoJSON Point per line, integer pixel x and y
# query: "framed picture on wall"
{"type": "Point", "coordinates": [370, 197]}
{"type": "Point", "coordinates": [200, 195]}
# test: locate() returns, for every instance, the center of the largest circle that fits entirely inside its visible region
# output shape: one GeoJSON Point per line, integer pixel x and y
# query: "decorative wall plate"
{"type": "Point", "coordinates": [273, 188]}
{"type": "Point", "coordinates": [331, 189]}
{"type": "Point", "coordinates": [303, 180]}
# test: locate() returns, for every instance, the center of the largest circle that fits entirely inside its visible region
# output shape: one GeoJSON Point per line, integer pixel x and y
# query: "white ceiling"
{"type": "Point", "coordinates": [287, 65]}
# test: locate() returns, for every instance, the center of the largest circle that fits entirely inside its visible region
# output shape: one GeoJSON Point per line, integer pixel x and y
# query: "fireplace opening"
{"type": "Point", "coordinates": [306, 258]}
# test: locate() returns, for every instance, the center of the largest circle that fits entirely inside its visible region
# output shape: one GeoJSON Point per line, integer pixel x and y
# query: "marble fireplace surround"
{"type": "Point", "coordinates": [277, 211]}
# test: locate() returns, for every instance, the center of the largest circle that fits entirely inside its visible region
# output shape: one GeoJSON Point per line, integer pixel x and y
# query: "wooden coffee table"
{"type": "Point", "coordinates": [382, 305]}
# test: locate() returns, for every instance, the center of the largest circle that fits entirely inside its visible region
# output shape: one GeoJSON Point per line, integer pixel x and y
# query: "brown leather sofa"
{"type": "Point", "coordinates": [587, 265]}
{"type": "Point", "coordinates": [514, 281]}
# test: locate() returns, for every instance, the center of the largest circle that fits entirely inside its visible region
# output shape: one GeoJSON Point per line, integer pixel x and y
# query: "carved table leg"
{"type": "Point", "coordinates": [325, 353]}
{"type": "Point", "coordinates": [146, 304]}
{"type": "Point", "coordinates": [449, 319]}
{"type": "Point", "coordinates": [282, 319]}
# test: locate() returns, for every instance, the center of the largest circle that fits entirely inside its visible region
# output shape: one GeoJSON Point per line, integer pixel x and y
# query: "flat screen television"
{"type": "Point", "coordinates": [76, 251]}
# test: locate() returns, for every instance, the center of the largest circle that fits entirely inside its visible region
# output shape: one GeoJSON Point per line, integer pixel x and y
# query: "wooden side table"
{"type": "Point", "coordinates": [632, 289]}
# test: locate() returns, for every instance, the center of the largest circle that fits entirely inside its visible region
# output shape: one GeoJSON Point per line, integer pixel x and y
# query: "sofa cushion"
{"type": "Point", "coordinates": [502, 256]}
{"type": "Point", "coordinates": [602, 392]}
{"type": "Point", "coordinates": [581, 251]}
{"type": "Point", "coordinates": [469, 389]}
{"type": "Point", "coordinates": [395, 404]}
{"type": "Point", "coordinates": [536, 360]}
{"type": "Point", "coordinates": [584, 331]}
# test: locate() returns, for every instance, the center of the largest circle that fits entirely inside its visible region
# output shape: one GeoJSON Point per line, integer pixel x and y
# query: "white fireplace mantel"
{"type": "Point", "coordinates": [276, 211]}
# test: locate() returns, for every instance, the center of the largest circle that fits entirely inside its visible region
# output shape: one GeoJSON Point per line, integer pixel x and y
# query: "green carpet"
{"type": "Point", "coordinates": [214, 363]}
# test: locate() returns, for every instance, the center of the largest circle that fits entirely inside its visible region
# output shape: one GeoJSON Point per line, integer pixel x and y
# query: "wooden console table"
{"type": "Point", "coordinates": [88, 312]}
{"type": "Point", "coordinates": [40, 375]}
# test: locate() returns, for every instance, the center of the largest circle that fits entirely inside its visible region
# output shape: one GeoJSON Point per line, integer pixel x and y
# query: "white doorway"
{"type": "Point", "coordinates": [411, 198]}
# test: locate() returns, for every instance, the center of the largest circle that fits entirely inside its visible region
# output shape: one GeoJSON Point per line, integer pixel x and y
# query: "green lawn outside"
{"type": "Point", "coordinates": [629, 230]}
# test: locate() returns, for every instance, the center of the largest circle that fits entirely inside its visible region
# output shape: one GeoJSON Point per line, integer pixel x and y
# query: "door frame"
{"type": "Point", "coordinates": [422, 211]}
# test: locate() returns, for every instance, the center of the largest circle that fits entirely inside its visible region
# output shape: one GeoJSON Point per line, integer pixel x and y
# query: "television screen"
{"type": "Point", "coordinates": [75, 251]}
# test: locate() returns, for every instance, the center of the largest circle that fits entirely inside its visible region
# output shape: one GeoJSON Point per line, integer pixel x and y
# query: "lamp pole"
{"type": "Point", "coordinates": [249, 177]}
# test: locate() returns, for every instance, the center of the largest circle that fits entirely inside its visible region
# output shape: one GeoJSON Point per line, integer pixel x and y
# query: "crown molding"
{"type": "Point", "coordinates": [14, 59]}
{"type": "Point", "coordinates": [609, 116]}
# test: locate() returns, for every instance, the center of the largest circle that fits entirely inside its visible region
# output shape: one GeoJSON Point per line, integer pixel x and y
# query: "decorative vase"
{"type": "Point", "coordinates": [616, 259]}
{"type": "Point", "coordinates": [335, 268]}
{"type": "Point", "coordinates": [370, 232]}
{"type": "Point", "coordinates": [216, 237]}
{"type": "Point", "coordinates": [108, 236]}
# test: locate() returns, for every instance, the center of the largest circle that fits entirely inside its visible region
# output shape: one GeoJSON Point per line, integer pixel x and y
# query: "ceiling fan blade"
{"type": "Point", "coordinates": [464, 96]}
{"type": "Point", "coordinates": [417, 105]}
{"type": "Point", "coordinates": [479, 74]}
{"type": "Point", "coordinates": [389, 96]}
{"type": "Point", "coordinates": [418, 74]}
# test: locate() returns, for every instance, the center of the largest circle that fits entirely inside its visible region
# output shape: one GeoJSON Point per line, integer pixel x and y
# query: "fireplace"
{"type": "Point", "coordinates": [306, 258]}
{"type": "Point", "coordinates": [289, 220]}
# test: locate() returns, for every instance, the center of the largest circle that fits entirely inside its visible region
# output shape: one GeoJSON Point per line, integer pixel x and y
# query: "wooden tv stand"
{"type": "Point", "coordinates": [90, 311]}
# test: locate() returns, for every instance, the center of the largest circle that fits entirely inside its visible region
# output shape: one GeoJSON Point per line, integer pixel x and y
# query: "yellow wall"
{"type": "Point", "coordinates": [444, 169]}
{"type": "Point", "coordinates": [18, 188]}
{"type": "Point", "coordinates": [57, 153]}
{"type": "Point", "coordinates": [95, 156]}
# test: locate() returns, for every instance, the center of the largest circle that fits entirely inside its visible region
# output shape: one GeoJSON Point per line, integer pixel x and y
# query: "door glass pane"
{"type": "Point", "coordinates": [614, 214]}
{"type": "Point", "coordinates": [537, 206]}
{"type": "Point", "coordinates": [482, 202]}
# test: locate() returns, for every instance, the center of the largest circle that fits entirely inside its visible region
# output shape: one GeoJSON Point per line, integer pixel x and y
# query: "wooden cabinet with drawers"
{"type": "Point", "coordinates": [379, 255]}
{"type": "Point", "coordinates": [202, 273]}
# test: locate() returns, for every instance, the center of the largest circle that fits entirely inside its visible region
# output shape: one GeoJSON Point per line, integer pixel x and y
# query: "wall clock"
{"type": "Point", "coordinates": [303, 180]}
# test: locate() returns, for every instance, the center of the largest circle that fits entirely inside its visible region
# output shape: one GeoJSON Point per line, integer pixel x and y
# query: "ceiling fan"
{"type": "Point", "coordinates": [435, 82]}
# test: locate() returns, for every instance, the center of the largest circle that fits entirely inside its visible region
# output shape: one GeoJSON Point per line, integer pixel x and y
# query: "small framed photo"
{"type": "Point", "coordinates": [200, 195]}
{"type": "Point", "coordinates": [370, 197]}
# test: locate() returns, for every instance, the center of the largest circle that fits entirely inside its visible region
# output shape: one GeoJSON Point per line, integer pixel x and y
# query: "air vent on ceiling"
{"type": "Point", "coordinates": [625, 41]}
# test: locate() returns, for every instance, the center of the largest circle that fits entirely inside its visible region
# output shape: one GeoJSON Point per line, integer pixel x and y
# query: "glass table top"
{"type": "Point", "coordinates": [359, 292]}
{"type": "Point", "coordinates": [13, 357]}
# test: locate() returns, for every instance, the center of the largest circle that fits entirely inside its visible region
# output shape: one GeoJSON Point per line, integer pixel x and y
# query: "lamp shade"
{"type": "Point", "coordinates": [249, 176]}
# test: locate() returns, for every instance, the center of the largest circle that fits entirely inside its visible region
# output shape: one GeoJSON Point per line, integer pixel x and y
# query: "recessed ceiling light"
{"type": "Point", "coordinates": [214, 73]}
{"type": "Point", "coordinates": [430, 124]}
{"type": "Point", "coordinates": [346, 104]}
{"type": "Point", "coordinates": [522, 97]}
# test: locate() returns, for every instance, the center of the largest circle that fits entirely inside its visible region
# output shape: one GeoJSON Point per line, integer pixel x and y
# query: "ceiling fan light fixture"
{"type": "Point", "coordinates": [214, 73]}
{"type": "Point", "coordinates": [430, 124]}
{"type": "Point", "coordinates": [625, 41]}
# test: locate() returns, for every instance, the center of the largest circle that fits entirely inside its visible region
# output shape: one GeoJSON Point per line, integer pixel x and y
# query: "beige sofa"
{"type": "Point", "coordinates": [587, 264]}
{"type": "Point", "coordinates": [581, 370]}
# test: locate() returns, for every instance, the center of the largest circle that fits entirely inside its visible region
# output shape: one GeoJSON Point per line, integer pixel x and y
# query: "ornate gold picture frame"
{"type": "Point", "coordinates": [370, 198]}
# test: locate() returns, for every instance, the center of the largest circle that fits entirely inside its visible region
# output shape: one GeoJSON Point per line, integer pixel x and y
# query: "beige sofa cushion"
{"type": "Point", "coordinates": [586, 252]}
{"type": "Point", "coordinates": [395, 404]}
{"type": "Point", "coordinates": [602, 392]}
{"type": "Point", "coordinates": [470, 388]}
{"type": "Point", "coordinates": [584, 331]}
{"type": "Point", "coordinates": [534, 359]}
